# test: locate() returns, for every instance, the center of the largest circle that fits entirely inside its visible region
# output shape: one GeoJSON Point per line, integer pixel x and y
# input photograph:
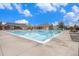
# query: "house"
{"type": "Point", "coordinates": [46, 27]}
{"type": "Point", "coordinates": [13, 26]}
{"type": "Point", "coordinates": [17, 26]}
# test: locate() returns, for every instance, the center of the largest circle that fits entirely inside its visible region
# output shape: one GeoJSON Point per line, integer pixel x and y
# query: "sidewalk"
{"type": "Point", "coordinates": [75, 38]}
{"type": "Point", "coordinates": [62, 45]}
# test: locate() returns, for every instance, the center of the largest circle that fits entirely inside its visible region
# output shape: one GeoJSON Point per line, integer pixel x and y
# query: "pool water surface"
{"type": "Point", "coordinates": [40, 36]}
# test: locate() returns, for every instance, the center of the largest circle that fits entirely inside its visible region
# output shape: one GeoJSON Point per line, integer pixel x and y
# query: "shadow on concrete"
{"type": "Point", "coordinates": [74, 36]}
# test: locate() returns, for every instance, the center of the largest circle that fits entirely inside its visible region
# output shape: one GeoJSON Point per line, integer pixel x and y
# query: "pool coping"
{"type": "Point", "coordinates": [42, 42]}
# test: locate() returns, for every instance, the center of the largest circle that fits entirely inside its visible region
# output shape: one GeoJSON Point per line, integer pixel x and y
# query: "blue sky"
{"type": "Point", "coordinates": [39, 13]}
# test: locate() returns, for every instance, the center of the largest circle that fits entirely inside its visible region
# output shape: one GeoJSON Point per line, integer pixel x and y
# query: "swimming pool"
{"type": "Point", "coordinates": [41, 36]}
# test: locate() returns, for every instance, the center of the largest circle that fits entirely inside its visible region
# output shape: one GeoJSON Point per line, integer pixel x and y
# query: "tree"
{"type": "Point", "coordinates": [50, 27]}
{"type": "Point", "coordinates": [76, 27]}
{"type": "Point", "coordinates": [0, 25]}
{"type": "Point", "coordinates": [61, 25]}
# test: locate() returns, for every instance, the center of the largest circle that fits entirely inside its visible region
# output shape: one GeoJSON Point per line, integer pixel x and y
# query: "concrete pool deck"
{"type": "Point", "coordinates": [61, 45]}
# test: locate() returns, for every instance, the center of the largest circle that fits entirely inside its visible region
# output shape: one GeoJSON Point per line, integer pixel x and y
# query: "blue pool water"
{"type": "Point", "coordinates": [37, 35]}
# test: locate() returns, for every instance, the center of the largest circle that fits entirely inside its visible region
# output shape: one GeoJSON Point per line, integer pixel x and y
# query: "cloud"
{"type": "Point", "coordinates": [23, 21]}
{"type": "Point", "coordinates": [63, 10]}
{"type": "Point", "coordinates": [71, 24]}
{"type": "Point", "coordinates": [75, 9]}
{"type": "Point", "coordinates": [3, 23]}
{"type": "Point", "coordinates": [26, 12]}
{"type": "Point", "coordinates": [58, 5]}
{"type": "Point", "coordinates": [18, 7]}
{"type": "Point", "coordinates": [55, 23]}
{"type": "Point", "coordinates": [63, 4]}
{"type": "Point", "coordinates": [2, 6]}
{"type": "Point", "coordinates": [46, 7]}
{"type": "Point", "coordinates": [71, 16]}
{"type": "Point", "coordinates": [6, 6]}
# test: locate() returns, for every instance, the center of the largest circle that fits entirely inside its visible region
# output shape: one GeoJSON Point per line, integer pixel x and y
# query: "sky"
{"type": "Point", "coordinates": [39, 13]}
